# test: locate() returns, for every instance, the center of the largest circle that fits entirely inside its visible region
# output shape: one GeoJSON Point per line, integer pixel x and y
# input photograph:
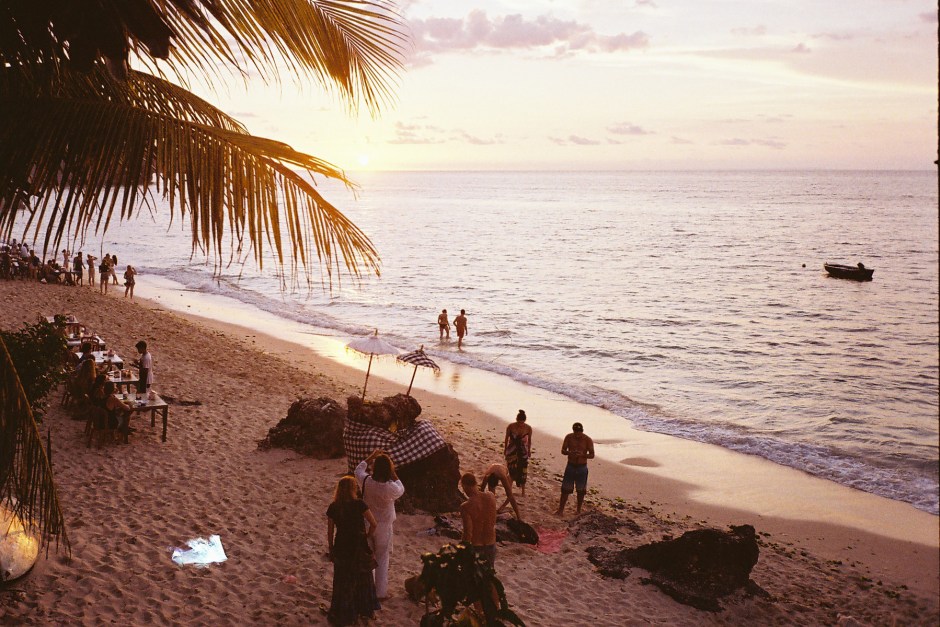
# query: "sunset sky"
{"type": "Point", "coordinates": [635, 84]}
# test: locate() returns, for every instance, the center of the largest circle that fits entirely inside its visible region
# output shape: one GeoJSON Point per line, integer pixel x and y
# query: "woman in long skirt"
{"type": "Point", "coordinates": [353, 561]}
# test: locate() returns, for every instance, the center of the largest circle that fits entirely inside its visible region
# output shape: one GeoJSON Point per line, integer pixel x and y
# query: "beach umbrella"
{"type": "Point", "coordinates": [418, 358]}
{"type": "Point", "coordinates": [371, 345]}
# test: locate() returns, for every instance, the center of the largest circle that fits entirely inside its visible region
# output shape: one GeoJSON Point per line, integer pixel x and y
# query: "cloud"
{"type": "Point", "coordinates": [801, 48]}
{"type": "Point", "coordinates": [753, 31]}
{"type": "Point", "coordinates": [423, 134]}
{"type": "Point", "coordinates": [625, 128]}
{"type": "Point", "coordinates": [680, 141]}
{"type": "Point", "coordinates": [478, 31]}
{"type": "Point", "coordinates": [576, 140]}
{"type": "Point", "coordinates": [646, 3]}
{"type": "Point", "coordinates": [930, 17]}
{"type": "Point", "coordinates": [767, 143]}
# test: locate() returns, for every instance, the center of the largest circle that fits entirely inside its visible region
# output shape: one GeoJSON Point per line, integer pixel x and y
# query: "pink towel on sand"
{"type": "Point", "coordinates": [550, 540]}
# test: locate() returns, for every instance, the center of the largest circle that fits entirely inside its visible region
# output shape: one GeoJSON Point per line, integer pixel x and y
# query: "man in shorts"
{"type": "Point", "coordinates": [460, 324]}
{"type": "Point", "coordinates": [579, 448]}
{"type": "Point", "coordinates": [478, 513]}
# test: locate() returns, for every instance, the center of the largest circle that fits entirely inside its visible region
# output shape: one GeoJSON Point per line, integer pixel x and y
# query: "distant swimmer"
{"type": "Point", "coordinates": [444, 324]}
{"type": "Point", "coordinates": [460, 323]}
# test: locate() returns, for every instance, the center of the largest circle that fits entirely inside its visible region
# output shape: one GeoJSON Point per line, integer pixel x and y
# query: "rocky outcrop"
{"type": "Point", "coordinates": [696, 569]}
{"type": "Point", "coordinates": [507, 529]}
{"type": "Point", "coordinates": [312, 427]}
{"type": "Point", "coordinates": [392, 413]}
{"type": "Point", "coordinates": [431, 483]}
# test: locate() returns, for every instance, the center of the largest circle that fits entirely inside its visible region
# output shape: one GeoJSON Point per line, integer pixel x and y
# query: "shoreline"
{"type": "Point", "coordinates": [632, 464]}
{"type": "Point", "coordinates": [126, 505]}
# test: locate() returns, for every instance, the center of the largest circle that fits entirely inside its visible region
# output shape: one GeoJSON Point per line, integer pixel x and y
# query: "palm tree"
{"type": "Point", "coordinates": [86, 140]}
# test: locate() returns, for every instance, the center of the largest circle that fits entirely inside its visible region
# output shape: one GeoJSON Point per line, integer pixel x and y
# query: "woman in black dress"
{"type": "Point", "coordinates": [347, 538]}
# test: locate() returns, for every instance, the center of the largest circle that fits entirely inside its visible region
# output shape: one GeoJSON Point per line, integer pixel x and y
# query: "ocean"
{"type": "Point", "coordinates": [692, 304]}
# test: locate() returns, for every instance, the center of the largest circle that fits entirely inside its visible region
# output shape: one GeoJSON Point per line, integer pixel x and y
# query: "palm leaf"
{"type": "Point", "coordinates": [91, 150]}
{"type": "Point", "coordinates": [26, 480]}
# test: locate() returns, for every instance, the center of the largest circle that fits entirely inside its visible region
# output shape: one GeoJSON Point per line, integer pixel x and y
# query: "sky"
{"type": "Point", "coordinates": [633, 85]}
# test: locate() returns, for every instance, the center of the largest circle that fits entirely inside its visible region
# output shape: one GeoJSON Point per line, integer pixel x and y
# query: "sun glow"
{"type": "Point", "coordinates": [363, 160]}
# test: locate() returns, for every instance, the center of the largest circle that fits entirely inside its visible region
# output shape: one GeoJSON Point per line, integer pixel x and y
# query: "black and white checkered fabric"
{"type": "Point", "coordinates": [418, 358]}
{"type": "Point", "coordinates": [404, 447]}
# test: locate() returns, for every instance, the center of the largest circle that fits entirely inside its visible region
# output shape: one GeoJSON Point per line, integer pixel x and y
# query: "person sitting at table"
{"type": "Point", "coordinates": [119, 412]}
{"type": "Point", "coordinates": [83, 381]}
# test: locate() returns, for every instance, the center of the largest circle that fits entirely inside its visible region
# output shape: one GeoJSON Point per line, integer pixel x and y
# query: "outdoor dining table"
{"type": "Point", "coordinates": [122, 383]}
{"type": "Point", "coordinates": [72, 325]}
{"type": "Point", "coordinates": [103, 359]}
{"type": "Point", "coordinates": [76, 342]}
{"type": "Point", "coordinates": [142, 403]}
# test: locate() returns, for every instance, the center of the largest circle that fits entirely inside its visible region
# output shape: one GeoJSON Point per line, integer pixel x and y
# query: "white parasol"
{"type": "Point", "coordinates": [371, 345]}
{"type": "Point", "coordinates": [418, 358]}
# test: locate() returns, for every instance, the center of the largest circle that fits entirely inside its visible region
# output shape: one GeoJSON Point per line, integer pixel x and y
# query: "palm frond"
{"type": "Point", "coordinates": [90, 161]}
{"type": "Point", "coordinates": [26, 480]}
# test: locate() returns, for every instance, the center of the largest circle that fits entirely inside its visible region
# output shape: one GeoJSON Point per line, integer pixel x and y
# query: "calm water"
{"type": "Point", "coordinates": [677, 300]}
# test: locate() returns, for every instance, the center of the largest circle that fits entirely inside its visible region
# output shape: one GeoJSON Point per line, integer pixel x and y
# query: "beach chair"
{"type": "Point", "coordinates": [97, 427]}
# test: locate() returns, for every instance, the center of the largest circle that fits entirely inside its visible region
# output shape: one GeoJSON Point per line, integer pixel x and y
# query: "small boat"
{"type": "Point", "coordinates": [855, 273]}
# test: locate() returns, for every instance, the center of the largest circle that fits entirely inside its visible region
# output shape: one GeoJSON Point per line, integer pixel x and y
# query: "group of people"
{"type": "Point", "coordinates": [460, 325]}
{"type": "Point", "coordinates": [92, 390]}
{"type": "Point", "coordinates": [18, 260]}
{"type": "Point", "coordinates": [361, 516]}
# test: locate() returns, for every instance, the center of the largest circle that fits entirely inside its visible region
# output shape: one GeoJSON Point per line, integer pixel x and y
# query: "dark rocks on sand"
{"type": "Point", "coordinates": [391, 413]}
{"type": "Point", "coordinates": [507, 529]}
{"type": "Point", "coordinates": [696, 569]}
{"type": "Point", "coordinates": [431, 483]}
{"type": "Point", "coordinates": [597, 523]}
{"type": "Point", "coordinates": [313, 426]}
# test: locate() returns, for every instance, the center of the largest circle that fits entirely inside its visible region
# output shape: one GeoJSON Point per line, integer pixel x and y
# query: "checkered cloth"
{"type": "Point", "coordinates": [404, 447]}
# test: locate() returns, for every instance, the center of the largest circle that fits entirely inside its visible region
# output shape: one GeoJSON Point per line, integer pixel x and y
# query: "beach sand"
{"type": "Point", "coordinates": [128, 506]}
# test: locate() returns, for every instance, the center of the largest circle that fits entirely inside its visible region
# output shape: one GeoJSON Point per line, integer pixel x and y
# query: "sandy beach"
{"type": "Point", "coordinates": [128, 506]}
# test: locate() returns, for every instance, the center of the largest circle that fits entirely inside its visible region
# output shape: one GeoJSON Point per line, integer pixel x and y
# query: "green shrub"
{"type": "Point", "coordinates": [460, 580]}
{"type": "Point", "coordinates": [39, 353]}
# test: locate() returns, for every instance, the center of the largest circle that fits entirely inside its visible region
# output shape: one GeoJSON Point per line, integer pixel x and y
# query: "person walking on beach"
{"type": "Point", "coordinates": [380, 490]}
{"type": "Point", "coordinates": [90, 264]}
{"type": "Point", "coordinates": [348, 543]}
{"type": "Point", "coordinates": [113, 266]}
{"type": "Point", "coordinates": [517, 447]}
{"type": "Point", "coordinates": [478, 513]}
{"type": "Point", "coordinates": [144, 366]}
{"type": "Point", "coordinates": [104, 274]}
{"type": "Point", "coordinates": [444, 324]}
{"type": "Point", "coordinates": [579, 448]}
{"type": "Point", "coordinates": [78, 265]}
{"type": "Point", "coordinates": [460, 324]}
{"type": "Point", "coordinates": [129, 275]}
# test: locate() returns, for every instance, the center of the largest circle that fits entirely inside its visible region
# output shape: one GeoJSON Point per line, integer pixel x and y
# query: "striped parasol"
{"type": "Point", "coordinates": [418, 358]}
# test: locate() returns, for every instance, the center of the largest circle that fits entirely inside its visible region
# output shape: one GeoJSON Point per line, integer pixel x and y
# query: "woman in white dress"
{"type": "Point", "coordinates": [380, 490]}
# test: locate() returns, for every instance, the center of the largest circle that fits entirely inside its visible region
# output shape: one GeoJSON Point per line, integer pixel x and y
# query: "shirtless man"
{"type": "Point", "coordinates": [444, 324]}
{"type": "Point", "coordinates": [579, 448]}
{"type": "Point", "coordinates": [479, 519]}
{"type": "Point", "coordinates": [460, 323]}
{"type": "Point", "coordinates": [494, 475]}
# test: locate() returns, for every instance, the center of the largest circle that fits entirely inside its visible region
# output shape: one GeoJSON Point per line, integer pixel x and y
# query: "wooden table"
{"type": "Point", "coordinates": [76, 342]}
{"type": "Point", "coordinates": [102, 358]}
{"type": "Point", "coordinates": [141, 404]}
{"type": "Point", "coordinates": [123, 384]}
{"type": "Point", "coordinates": [71, 326]}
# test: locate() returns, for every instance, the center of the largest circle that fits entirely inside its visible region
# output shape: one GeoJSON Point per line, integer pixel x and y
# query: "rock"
{"type": "Point", "coordinates": [696, 569]}
{"type": "Point", "coordinates": [312, 427]}
{"type": "Point", "coordinates": [598, 523]}
{"type": "Point", "coordinates": [391, 413]}
{"type": "Point", "coordinates": [431, 483]}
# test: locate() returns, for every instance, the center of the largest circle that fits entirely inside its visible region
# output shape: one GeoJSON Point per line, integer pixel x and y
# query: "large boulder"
{"type": "Point", "coordinates": [392, 413]}
{"type": "Point", "coordinates": [431, 483]}
{"type": "Point", "coordinates": [313, 426]}
{"type": "Point", "coordinates": [696, 569]}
